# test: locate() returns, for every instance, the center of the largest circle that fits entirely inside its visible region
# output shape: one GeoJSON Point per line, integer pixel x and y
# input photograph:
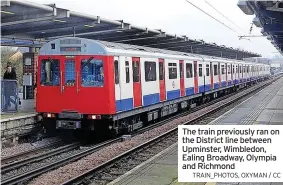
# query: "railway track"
{"type": "Point", "coordinates": [26, 175]}
{"type": "Point", "coordinates": [26, 154]}
{"type": "Point", "coordinates": [110, 170]}
{"type": "Point", "coordinates": [61, 156]}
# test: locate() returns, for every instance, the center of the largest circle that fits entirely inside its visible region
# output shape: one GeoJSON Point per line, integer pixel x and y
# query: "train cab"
{"type": "Point", "coordinates": [76, 81]}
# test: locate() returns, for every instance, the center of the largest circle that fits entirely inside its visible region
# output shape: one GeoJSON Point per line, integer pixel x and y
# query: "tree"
{"type": "Point", "coordinates": [17, 62]}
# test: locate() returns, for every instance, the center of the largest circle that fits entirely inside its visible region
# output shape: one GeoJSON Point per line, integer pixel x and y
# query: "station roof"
{"type": "Point", "coordinates": [29, 24]}
{"type": "Point", "coordinates": [268, 16]}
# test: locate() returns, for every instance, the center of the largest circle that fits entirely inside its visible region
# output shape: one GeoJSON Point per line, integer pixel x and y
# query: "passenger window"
{"type": "Point", "coordinates": [233, 69]}
{"type": "Point", "coordinates": [116, 69]}
{"type": "Point", "coordinates": [70, 78]}
{"type": "Point", "coordinates": [189, 70]}
{"type": "Point", "coordinates": [127, 71]}
{"type": "Point", "coordinates": [229, 69]}
{"type": "Point", "coordinates": [136, 71]}
{"type": "Point", "coordinates": [240, 69]}
{"type": "Point", "coordinates": [161, 71]}
{"type": "Point", "coordinates": [207, 70]}
{"type": "Point", "coordinates": [50, 72]}
{"type": "Point", "coordinates": [92, 73]}
{"type": "Point", "coordinates": [181, 70]}
{"type": "Point", "coordinates": [172, 70]}
{"type": "Point", "coordinates": [150, 71]}
{"type": "Point", "coordinates": [237, 69]}
{"type": "Point", "coordinates": [200, 70]}
{"type": "Point", "coordinates": [215, 69]}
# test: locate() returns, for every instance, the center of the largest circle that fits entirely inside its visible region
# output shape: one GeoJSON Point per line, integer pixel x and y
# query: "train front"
{"type": "Point", "coordinates": [75, 84]}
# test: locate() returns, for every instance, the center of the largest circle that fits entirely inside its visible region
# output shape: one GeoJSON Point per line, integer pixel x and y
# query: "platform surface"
{"type": "Point", "coordinates": [27, 108]}
{"type": "Point", "coordinates": [265, 107]}
{"type": "Point", "coordinates": [159, 170]}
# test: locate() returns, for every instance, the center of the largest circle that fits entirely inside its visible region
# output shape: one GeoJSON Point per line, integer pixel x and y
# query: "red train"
{"type": "Point", "coordinates": [87, 84]}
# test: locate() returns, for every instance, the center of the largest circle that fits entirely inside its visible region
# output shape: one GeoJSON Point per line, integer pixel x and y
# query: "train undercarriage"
{"type": "Point", "coordinates": [127, 122]}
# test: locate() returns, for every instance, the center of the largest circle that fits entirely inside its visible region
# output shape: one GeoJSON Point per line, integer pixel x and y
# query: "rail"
{"type": "Point", "coordinates": [41, 156]}
{"type": "Point", "coordinates": [80, 178]}
{"type": "Point", "coordinates": [35, 172]}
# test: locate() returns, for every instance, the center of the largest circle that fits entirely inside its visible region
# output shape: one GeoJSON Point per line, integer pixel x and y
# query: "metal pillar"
{"type": "Point", "coordinates": [31, 49]}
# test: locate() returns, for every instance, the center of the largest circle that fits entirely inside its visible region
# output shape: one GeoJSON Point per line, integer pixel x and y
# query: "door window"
{"type": "Point", "coordinates": [70, 78]}
{"type": "Point", "coordinates": [136, 71]}
{"type": "Point", "coordinates": [127, 66]}
{"type": "Point", "coordinates": [161, 71]}
{"type": "Point", "coordinates": [181, 70]}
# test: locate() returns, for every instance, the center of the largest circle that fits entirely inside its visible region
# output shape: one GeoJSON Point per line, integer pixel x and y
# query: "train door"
{"type": "Point", "coordinates": [226, 73]}
{"type": "Point", "coordinates": [70, 71]}
{"type": "Point", "coordinates": [211, 76]}
{"type": "Point", "coordinates": [117, 83]}
{"type": "Point", "coordinates": [232, 73]}
{"type": "Point", "coordinates": [162, 80]}
{"type": "Point", "coordinates": [50, 79]}
{"type": "Point", "coordinates": [182, 81]}
{"type": "Point", "coordinates": [196, 77]}
{"type": "Point", "coordinates": [219, 75]}
{"type": "Point", "coordinates": [136, 82]}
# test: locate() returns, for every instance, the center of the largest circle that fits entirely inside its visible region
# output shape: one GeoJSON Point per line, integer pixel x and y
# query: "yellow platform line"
{"type": "Point", "coordinates": [211, 183]}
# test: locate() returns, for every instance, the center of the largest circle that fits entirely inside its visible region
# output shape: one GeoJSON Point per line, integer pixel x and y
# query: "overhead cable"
{"type": "Point", "coordinates": [223, 15]}
{"type": "Point", "coordinates": [213, 17]}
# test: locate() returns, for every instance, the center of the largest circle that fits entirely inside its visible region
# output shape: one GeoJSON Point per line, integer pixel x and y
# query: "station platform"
{"type": "Point", "coordinates": [265, 107]}
{"type": "Point", "coordinates": [27, 107]}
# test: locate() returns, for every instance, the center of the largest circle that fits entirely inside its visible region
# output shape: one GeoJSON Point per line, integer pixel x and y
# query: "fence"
{"type": "Point", "coordinates": [9, 96]}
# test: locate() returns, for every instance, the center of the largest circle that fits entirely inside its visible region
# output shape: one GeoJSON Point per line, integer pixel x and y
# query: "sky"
{"type": "Point", "coordinates": [181, 18]}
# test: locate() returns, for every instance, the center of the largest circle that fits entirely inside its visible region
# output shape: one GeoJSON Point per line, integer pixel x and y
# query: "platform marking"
{"type": "Point", "coordinates": [220, 117]}
{"type": "Point", "coordinates": [142, 164]}
{"type": "Point", "coordinates": [217, 120]}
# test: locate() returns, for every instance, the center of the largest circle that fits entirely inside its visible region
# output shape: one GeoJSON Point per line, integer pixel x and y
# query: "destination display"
{"type": "Point", "coordinates": [70, 49]}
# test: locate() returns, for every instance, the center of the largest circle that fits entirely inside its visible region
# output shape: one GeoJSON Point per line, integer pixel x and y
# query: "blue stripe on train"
{"type": "Point", "coordinates": [124, 105]}
{"type": "Point", "coordinates": [216, 85]}
{"type": "Point", "coordinates": [173, 94]}
{"type": "Point", "coordinates": [128, 104]}
{"type": "Point", "coordinates": [151, 99]}
{"type": "Point", "coordinates": [202, 89]}
{"type": "Point", "coordinates": [190, 91]}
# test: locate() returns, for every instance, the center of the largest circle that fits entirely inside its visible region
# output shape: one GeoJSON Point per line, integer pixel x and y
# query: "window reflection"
{"type": "Point", "coordinates": [70, 72]}
{"type": "Point", "coordinates": [92, 73]}
{"type": "Point", "coordinates": [50, 72]}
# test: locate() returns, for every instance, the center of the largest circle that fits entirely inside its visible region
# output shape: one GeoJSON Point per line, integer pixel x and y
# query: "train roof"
{"type": "Point", "coordinates": [106, 48]}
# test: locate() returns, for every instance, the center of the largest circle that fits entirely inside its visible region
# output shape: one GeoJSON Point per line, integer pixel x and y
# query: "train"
{"type": "Point", "coordinates": [85, 84]}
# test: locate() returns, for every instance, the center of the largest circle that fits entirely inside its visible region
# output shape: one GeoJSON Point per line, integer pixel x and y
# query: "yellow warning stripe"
{"type": "Point", "coordinates": [210, 183]}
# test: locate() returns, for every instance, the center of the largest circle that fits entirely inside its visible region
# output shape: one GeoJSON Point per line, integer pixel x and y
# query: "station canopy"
{"type": "Point", "coordinates": [28, 24]}
{"type": "Point", "coordinates": [269, 17]}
